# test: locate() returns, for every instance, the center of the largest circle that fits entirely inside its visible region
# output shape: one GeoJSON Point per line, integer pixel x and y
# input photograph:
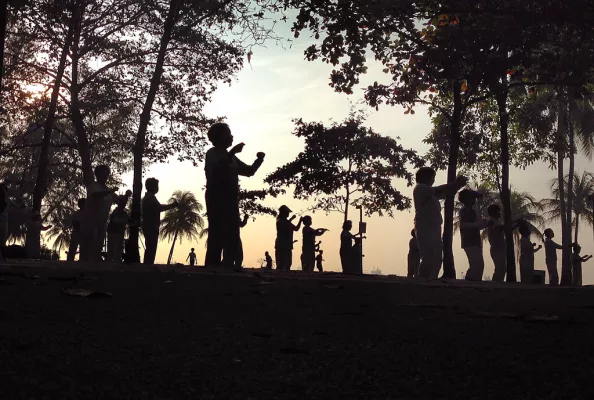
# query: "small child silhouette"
{"type": "Point", "coordinates": [308, 249]}
{"type": "Point", "coordinates": [151, 218]}
{"type": "Point", "coordinates": [268, 260]}
{"type": "Point", "coordinates": [116, 229]}
{"type": "Point", "coordinates": [576, 264]}
{"type": "Point", "coordinates": [34, 228]}
{"type": "Point", "coordinates": [192, 258]}
{"type": "Point", "coordinates": [75, 235]}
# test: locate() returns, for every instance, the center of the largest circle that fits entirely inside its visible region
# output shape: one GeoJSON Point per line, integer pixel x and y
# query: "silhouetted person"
{"type": "Point", "coordinates": [551, 256]}
{"type": "Point", "coordinates": [496, 236]}
{"type": "Point", "coordinates": [3, 218]}
{"type": "Point", "coordinates": [319, 260]}
{"type": "Point", "coordinates": [346, 248]}
{"type": "Point", "coordinates": [75, 236]}
{"type": "Point", "coordinates": [116, 229]}
{"type": "Point", "coordinates": [428, 219]}
{"type": "Point", "coordinates": [308, 247]}
{"type": "Point", "coordinates": [151, 219]}
{"type": "Point", "coordinates": [223, 169]}
{"type": "Point", "coordinates": [268, 260]}
{"type": "Point", "coordinates": [284, 238]}
{"type": "Point", "coordinates": [242, 224]}
{"type": "Point", "coordinates": [414, 259]}
{"type": "Point", "coordinates": [100, 198]}
{"type": "Point", "coordinates": [527, 250]}
{"type": "Point", "coordinates": [576, 264]}
{"type": "Point", "coordinates": [470, 232]}
{"type": "Point", "coordinates": [35, 227]}
{"type": "Point", "coordinates": [192, 258]}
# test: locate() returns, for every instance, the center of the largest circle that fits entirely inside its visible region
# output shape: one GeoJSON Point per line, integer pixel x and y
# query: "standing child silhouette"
{"type": "Point", "coordinates": [527, 250]}
{"type": "Point", "coordinates": [100, 198]}
{"type": "Point", "coordinates": [284, 238]}
{"type": "Point", "coordinates": [151, 218]}
{"type": "Point", "coordinates": [116, 229]}
{"type": "Point", "coordinates": [308, 247]}
{"type": "Point", "coordinates": [75, 235]}
{"type": "Point", "coordinates": [192, 258]}
{"type": "Point", "coordinates": [222, 169]}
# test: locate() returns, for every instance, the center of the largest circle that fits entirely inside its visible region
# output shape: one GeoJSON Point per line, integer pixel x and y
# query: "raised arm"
{"type": "Point", "coordinates": [481, 224]}
{"type": "Point", "coordinates": [167, 207]}
{"type": "Point", "coordinates": [296, 227]}
{"type": "Point", "coordinates": [244, 221]}
{"type": "Point", "coordinates": [442, 191]}
{"type": "Point", "coordinates": [537, 248]}
{"type": "Point", "coordinates": [249, 170]}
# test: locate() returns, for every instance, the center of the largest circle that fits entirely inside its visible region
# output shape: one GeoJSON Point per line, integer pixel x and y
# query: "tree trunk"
{"type": "Point", "coordinates": [84, 148]}
{"type": "Point", "coordinates": [566, 275]}
{"type": "Point", "coordinates": [577, 228]}
{"type": "Point", "coordinates": [172, 247]}
{"type": "Point", "coordinates": [501, 98]}
{"type": "Point", "coordinates": [143, 127]}
{"type": "Point", "coordinates": [42, 166]}
{"type": "Point", "coordinates": [571, 173]}
{"type": "Point", "coordinates": [449, 268]}
{"type": "Point", "coordinates": [3, 22]}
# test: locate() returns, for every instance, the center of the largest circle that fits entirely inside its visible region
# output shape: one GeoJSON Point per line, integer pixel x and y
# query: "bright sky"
{"type": "Point", "coordinates": [279, 86]}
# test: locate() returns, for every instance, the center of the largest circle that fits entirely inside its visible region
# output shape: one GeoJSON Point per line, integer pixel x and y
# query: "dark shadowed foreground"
{"type": "Point", "coordinates": [209, 336]}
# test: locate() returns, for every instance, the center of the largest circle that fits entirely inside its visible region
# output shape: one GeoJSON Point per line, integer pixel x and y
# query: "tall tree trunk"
{"type": "Point", "coordinates": [577, 227]}
{"type": "Point", "coordinates": [145, 118]}
{"type": "Point", "coordinates": [449, 268]}
{"type": "Point", "coordinates": [84, 148]}
{"type": "Point", "coordinates": [172, 247]}
{"type": "Point", "coordinates": [42, 166]}
{"type": "Point", "coordinates": [3, 22]}
{"type": "Point", "coordinates": [571, 173]}
{"type": "Point", "coordinates": [566, 275]}
{"type": "Point", "coordinates": [346, 205]}
{"type": "Point", "coordinates": [501, 98]}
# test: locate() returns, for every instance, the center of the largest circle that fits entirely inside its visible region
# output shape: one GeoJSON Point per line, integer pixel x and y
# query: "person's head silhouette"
{"type": "Point", "coordinates": [220, 135]}
{"type": "Point", "coordinates": [152, 185]}
{"type": "Point", "coordinates": [576, 248]}
{"type": "Point", "coordinates": [121, 201]}
{"type": "Point", "coordinates": [192, 249]}
{"type": "Point", "coordinates": [347, 225]}
{"type": "Point", "coordinates": [426, 176]}
{"type": "Point", "coordinates": [413, 233]}
{"type": "Point", "coordinates": [494, 211]}
{"type": "Point", "coordinates": [549, 233]}
{"type": "Point", "coordinates": [283, 212]}
{"type": "Point", "coordinates": [321, 252]}
{"type": "Point", "coordinates": [468, 197]}
{"type": "Point", "coordinates": [307, 221]}
{"type": "Point", "coordinates": [102, 174]}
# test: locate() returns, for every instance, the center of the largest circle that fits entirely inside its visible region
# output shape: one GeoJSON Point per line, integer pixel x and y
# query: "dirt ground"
{"type": "Point", "coordinates": [165, 334]}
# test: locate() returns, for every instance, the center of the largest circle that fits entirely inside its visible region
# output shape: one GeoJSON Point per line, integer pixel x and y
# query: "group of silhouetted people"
{"type": "Point", "coordinates": [426, 247]}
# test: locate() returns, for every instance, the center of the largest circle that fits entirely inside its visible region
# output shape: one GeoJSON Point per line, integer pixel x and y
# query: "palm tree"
{"type": "Point", "coordinates": [582, 191]}
{"type": "Point", "coordinates": [184, 221]}
{"type": "Point", "coordinates": [523, 205]}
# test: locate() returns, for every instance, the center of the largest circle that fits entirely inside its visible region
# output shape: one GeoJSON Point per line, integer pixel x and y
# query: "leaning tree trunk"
{"type": "Point", "coordinates": [43, 163]}
{"type": "Point", "coordinates": [145, 118]}
{"type": "Point", "coordinates": [501, 98]}
{"type": "Point", "coordinates": [3, 22]}
{"type": "Point", "coordinates": [571, 173]}
{"type": "Point", "coordinates": [449, 268]}
{"type": "Point", "coordinates": [172, 247]}
{"type": "Point", "coordinates": [566, 274]}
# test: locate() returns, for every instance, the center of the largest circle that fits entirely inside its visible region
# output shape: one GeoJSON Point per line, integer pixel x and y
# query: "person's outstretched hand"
{"type": "Point", "coordinates": [292, 218]}
{"type": "Point", "coordinates": [260, 155]}
{"type": "Point", "coordinates": [238, 148]}
{"type": "Point", "coordinates": [114, 190]}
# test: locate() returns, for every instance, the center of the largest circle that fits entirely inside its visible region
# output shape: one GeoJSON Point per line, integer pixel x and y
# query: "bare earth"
{"type": "Point", "coordinates": [201, 334]}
